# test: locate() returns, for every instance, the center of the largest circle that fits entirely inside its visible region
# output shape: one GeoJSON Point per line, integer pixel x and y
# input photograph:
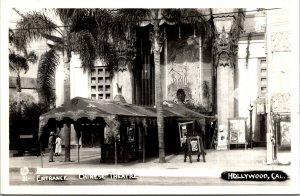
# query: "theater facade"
{"type": "Point", "coordinates": [239, 73]}
{"type": "Point", "coordinates": [224, 75]}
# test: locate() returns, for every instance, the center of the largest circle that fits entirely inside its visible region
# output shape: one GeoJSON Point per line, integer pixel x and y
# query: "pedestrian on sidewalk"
{"type": "Point", "coordinates": [51, 143]}
{"type": "Point", "coordinates": [57, 146]}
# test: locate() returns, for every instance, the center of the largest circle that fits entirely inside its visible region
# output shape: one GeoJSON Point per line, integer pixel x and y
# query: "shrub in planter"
{"type": "Point", "coordinates": [24, 123]}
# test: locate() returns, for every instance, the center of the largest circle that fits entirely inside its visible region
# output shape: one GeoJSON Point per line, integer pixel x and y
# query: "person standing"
{"type": "Point", "coordinates": [51, 143]}
{"type": "Point", "coordinates": [57, 146]}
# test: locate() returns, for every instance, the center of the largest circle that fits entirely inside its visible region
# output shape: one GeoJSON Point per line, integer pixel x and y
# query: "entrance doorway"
{"type": "Point", "coordinates": [144, 80]}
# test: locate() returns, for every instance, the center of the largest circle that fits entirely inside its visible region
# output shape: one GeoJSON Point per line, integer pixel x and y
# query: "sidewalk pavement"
{"type": "Point", "coordinates": [216, 163]}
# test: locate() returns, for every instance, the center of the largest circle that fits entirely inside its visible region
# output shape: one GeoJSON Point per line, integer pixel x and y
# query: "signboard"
{"type": "Point", "coordinates": [237, 131]}
{"type": "Point", "coordinates": [26, 136]}
{"type": "Point", "coordinates": [194, 144]}
{"type": "Point", "coordinates": [194, 147]}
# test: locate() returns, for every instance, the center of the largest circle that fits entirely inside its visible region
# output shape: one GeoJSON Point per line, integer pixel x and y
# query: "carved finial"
{"type": "Point", "coordinates": [223, 29]}
{"type": "Point", "coordinates": [119, 97]}
{"type": "Point", "coordinates": [119, 88]}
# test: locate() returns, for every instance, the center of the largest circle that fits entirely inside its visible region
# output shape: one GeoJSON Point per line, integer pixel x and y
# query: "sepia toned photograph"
{"type": "Point", "coordinates": [149, 100]}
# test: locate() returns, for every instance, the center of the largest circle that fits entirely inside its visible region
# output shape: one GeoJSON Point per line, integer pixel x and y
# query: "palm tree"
{"type": "Point", "coordinates": [79, 33]}
{"type": "Point", "coordinates": [132, 18]}
{"type": "Point", "coordinates": [128, 21]}
{"type": "Point", "coordinates": [157, 46]}
{"type": "Point", "coordinates": [18, 62]}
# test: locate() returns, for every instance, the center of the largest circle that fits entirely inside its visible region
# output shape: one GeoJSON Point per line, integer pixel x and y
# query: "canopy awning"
{"type": "Point", "coordinates": [171, 109]}
{"type": "Point", "coordinates": [79, 107]}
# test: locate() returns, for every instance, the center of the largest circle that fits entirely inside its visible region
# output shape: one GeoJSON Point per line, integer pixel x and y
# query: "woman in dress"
{"type": "Point", "coordinates": [57, 146]}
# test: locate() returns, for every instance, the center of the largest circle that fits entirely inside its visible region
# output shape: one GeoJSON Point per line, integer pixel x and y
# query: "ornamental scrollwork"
{"type": "Point", "coordinates": [157, 39]}
{"type": "Point", "coordinates": [281, 103]}
{"type": "Point", "coordinates": [59, 116]}
{"type": "Point", "coordinates": [226, 48]}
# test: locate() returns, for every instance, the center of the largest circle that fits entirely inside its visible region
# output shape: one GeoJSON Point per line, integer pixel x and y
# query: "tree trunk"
{"type": "Point", "coordinates": [19, 107]}
{"type": "Point", "coordinates": [158, 95]}
{"type": "Point", "coordinates": [18, 88]}
{"type": "Point", "coordinates": [67, 134]}
{"type": "Point", "coordinates": [41, 97]}
{"type": "Point", "coordinates": [67, 128]}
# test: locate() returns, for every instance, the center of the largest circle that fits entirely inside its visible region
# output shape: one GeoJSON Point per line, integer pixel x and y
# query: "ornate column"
{"type": "Point", "coordinates": [228, 23]}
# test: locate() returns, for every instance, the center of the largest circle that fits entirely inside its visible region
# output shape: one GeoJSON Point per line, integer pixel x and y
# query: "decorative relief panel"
{"type": "Point", "coordinates": [281, 103]}
{"type": "Point", "coordinates": [280, 41]}
{"type": "Point", "coordinates": [183, 67]}
{"type": "Point", "coordinates": [226, 48]}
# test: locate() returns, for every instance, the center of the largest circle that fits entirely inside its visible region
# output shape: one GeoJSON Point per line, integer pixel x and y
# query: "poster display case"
{"type": "Point", "coordinates": [183, 131]}
{"type": "Point", "coordinates": [285, 134]}
{"type": "Point", "coordinates": [237, 131]}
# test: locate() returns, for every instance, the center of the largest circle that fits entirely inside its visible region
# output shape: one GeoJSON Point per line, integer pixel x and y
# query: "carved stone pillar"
{"type": "Point", "coordinates": [227, 24]}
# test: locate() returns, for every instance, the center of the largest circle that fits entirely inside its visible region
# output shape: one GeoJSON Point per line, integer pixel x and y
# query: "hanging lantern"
{"type": "Point", "coordinates": [194, 32]}
{"type": "Point", "coordinates": [179, 36]}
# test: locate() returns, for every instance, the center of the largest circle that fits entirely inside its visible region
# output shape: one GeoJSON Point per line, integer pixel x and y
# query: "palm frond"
{"type": "Point", "coordinates": [108, 54]}
{"type": "Point", "coordinates": [10, 35]}
{"type": "Point", "coordinates": [46, 73]}
{"type": "Point", "coordinates": [66, 15]}
{"type": "Point", "coordinates": [123, 35]}
{"type": "Point", "coordinates": [84, 44]}
{"type": "Point", "coordinates": [53, 38]}
{"type": "Point", "coordinates": [32, 57]}
{"type": "Point", "coordinates": [32, 27]}
{"type": "Point", "coordinates": [104, 21]}
{"type": "Point", "coordinates": [134, 16]}
{"type": "Point", "coordinates": [78, 19]}
{"type": "Point", "coordinates": [126, 20]}
{"type": "Point", "coordinates": [104, 17]}
{"type": "Point", "coordinates": [17, 62]}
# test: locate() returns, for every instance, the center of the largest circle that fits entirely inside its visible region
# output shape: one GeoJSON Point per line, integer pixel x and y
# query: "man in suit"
{"type": "Point", "coordinates": [51, 143]}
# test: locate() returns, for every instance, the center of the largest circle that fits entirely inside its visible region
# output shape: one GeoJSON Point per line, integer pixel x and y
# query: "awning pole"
{"type": "Point", "coordinates": [41, 154]}
{"type": "Point", "coordinates": [144, 145]}
{"type": "Point", "coordinates": [116, 150]}
{"type": "Point", "coordinates": [78, 149]}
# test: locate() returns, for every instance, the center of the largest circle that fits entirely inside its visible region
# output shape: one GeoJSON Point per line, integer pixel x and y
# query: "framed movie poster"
{"type": "Point", "coordinates": [130, 134]}
{"type": "Point", "coordinates": [237, 131]}
{"type": "Point", "coordinates": [183, 130]}
{"type": "Point", "coordinates": [285, 134]}
{"type": "Point", "coordinates": [222, 138]}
